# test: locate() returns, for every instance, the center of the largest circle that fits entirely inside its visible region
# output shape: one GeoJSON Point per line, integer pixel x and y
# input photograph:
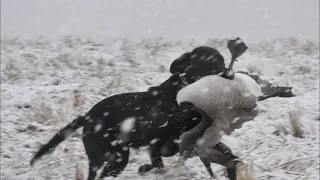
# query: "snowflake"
{"type": "Point", "coordinates": [128, 125]}
{"type": "Point", "coordinates": [106, 113]}
{"type": "Point", "coordinates": [155, 93]}
{"type": "Point", "coordinates": [97, 128]}
{"type": "Point", "coordinates": [200, 142]}
{"type": "Point", "coordinates": [235, 119]}
{"type": "Point", "coordinates": [137, 108]}
{"type": "Point", "coordinates": [164, 124]}
{"type": "Point", "coordinates": [205, 90]}
{"type": "Point", "coordinates": [193, 56]}
{"type": "Point", "coordinates": [153, 141]}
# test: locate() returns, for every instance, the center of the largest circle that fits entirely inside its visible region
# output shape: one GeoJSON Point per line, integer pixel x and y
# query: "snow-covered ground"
{"type": "Point", "coordinates": [48, 81]}
{"type": "Point", "coordinates": [39, 79]}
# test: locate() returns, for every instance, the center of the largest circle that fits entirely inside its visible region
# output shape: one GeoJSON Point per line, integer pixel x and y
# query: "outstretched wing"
{"type": "Point", "coordinates": [270, 90]}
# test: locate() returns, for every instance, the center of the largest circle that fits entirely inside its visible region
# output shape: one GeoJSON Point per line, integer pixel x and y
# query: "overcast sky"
{"type": "Point", "coordinates": [249, 19]}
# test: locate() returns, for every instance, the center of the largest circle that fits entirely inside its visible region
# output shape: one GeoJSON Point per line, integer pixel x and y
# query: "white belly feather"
{"type": "Point", "coordinates": [216, 95]}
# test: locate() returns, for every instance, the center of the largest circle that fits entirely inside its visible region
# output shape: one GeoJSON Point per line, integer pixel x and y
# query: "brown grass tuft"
{"type": "Point", "coordinates": [76, 98]}
{"type": "Point", "coordinates": [245, 172]}
{"type": "Point", "coordinates": [41, 113]}
{"type": "Point", "coordinates": [46, 114]}
{"type": "Point", "coordinates": [79, 172]}
{"type": "Point", "coordinates": [296, 124]}
{"type": "Point", "coordinates": [10, 72]}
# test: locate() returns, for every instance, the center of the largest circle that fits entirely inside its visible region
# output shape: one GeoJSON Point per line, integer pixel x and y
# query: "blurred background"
{"type": "Point", "coordinates": [177, 19]}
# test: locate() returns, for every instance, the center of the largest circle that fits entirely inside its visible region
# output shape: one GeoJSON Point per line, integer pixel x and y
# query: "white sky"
{"type": "Point", "coordinates": [249, 19]}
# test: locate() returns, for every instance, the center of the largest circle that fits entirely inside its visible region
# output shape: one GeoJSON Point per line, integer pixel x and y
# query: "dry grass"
{"type": "Point", "coordinates": [115, 83]}
{"type": "Point", "coordinates": [10, 72]}
{"type": "Point", "coordinates": [162, 68]}
{"type": "Point", "coordinates": [66, 59]}
{"type": "Point", "coordinates": [41, 113]}
{"type": "Point", "coordinates": [79, 172]}
{"type": "Point", "coordinates": [245, 172]}
{"type": "Point", "coordinates": [303, 69]}
{"type": "Point", "coordinates": [128, 52]}
{"type": "Point", "coordinates": [296, 124]}
{"type": "Point", "coordinates": [77, 102]}
{"type": "Point", "coordinates": [294, 127]}
{"type": "Point", "coordinates": [100, 68]}
{"type": "Point", "coordinates": [46, 115]}
{"type": "Point", "coordinates": [283, 129]}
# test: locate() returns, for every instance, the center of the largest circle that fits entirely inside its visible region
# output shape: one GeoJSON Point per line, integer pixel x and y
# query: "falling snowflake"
{"type": "Point", "coordinates": [164, 124]}
{"type": "Point", "coordinates": [227, 89]}
{"type": "Point", "coordinates": [128, 125]}
{"type": "Point", "coordinates": [97, 128]}
{"type": "Point", "coordinates": [106, 113]}
{"type": "Point", "coordinates": [153, 141]}
{"type": "Point", "coordinates": [238, 41]}
{"type": "Point", "coordinates": [208, 58]}
{"type": "Point", "coordinates": [235, 119]}
{"type": "Point", "coordinates": [137, 108]}
{"type": "Point", "coordinates": [95, 168]}
{"type": "Point", "coordinates": [107, 154]}
{"type": "Point", "coordinates": [141, 148]}
{"type": "Point", "coordinates": [202, 57]}
{"type": "Point", "coordinates": [193, 56]}
{"type": "Point", "coordinates": [175, 83]}
{"type": "Point", "coordinates": [205, 90]}
{"type": "Point", "coordinates": [66, 133]}
{"type": "Point", "coordinates": [155, 93]}
{"type": "Point", "coordinates": [159, 102]}
{"type": "Point", "coordinates": [113, 143]}
{"type": "Point", "coordinates": [200, 141]}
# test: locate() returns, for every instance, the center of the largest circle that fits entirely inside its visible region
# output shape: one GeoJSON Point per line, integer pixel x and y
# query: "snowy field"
{"type": "Point", "coordinates": [40, 78]}
{"type": "Point", "coordinates": [46, 82]}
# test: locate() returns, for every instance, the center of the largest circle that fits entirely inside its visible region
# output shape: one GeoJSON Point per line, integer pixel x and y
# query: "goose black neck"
{"type": "Point", "coordinates": [228, 74]}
